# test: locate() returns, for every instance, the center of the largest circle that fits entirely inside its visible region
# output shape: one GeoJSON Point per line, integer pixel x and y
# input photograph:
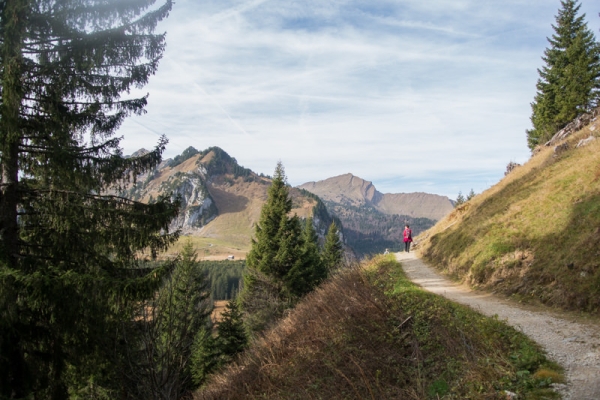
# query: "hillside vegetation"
{"type": "Point", "coordinates": [535, 235]}
{"type": "Point", "coordinates": [370, 333]}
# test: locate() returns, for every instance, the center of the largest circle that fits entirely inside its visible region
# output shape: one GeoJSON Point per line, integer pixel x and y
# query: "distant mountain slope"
{"type": "Point", "coordinates": [374, 221]}
{"type": "Point", "coordinates": [350, 190]}
{"type": "Point", "coordinates": [220, 200]}
{"type": "Point", "coordinates": [535, 234]}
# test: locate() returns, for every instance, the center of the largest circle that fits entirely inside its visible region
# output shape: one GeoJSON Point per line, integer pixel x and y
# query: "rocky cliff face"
{"type": "Point", "coordinates": [219, 198]}
{"type": "Point", "coordinates": [187, 181]}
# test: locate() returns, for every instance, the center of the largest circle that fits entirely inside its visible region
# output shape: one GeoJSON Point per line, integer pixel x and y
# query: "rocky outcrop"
{"type": "Point", "coordinates": [576, 125]}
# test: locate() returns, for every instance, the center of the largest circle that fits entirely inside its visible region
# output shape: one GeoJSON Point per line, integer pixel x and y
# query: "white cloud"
{"type": "Point", "coordinates": [415, 96]}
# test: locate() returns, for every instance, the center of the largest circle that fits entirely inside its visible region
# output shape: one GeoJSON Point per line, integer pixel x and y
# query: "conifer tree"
{"type": "Point", "coordinates": [181, 314]}
{"type": "Point", "coordinates": [471, 195]}
{"type": "Point", "coordinates": [279, 269]}
{"type": "Point", "coordinates": [272, 228]}
{"type": "Point", "coordinates": [569, 82]}
{"type": "Point", "coordinates": [333, 252]}
{"type": "Point", "coordinates": [460, 199]}
{"type": "Point", "coordinates": [231, 334]}
{"type": "Point", "coordinates": [68, 269]}
{"type": "Point", "coordinates": [312, 257]}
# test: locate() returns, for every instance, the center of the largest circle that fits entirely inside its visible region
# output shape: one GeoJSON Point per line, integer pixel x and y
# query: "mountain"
{"type": "Point", "coordinates": [220, 200]}
{"type": "Point", "coordinates": [374, 221]}
{"type": "Point", "coordinates": [535, 234]}
{"type": "Point", "coordinates": [350, 190]}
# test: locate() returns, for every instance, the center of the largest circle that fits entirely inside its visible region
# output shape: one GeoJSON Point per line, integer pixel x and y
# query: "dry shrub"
{"type": "Point", "coordinates": [371, 334]}
{"type": "Point", "coordinates": [332, 345]}
{"type": "Point", "coordinates": [546, 374]}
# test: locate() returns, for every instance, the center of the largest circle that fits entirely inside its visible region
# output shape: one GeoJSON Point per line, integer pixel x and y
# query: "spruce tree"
{"type": "Point", "coordinates": [460, 199]}
{"type": "Point", "coordinates": [333, 252]}
{"type": "Point", "coordinates": [470, 195]}
{"type": "Point", "coordinates": [311, 256]}
{"type": "Point", "coordinates": [69, 275]}
{"type": "Point", "coordinates": [272, 228]}
{"type": "Point", "coordinates": [180, 320]}
{"type": "Point", "coordinates": [279, 264]}
{"type": "Point", "coordinates": [569, 82]}
{"type": "Point", "coordinates": [231, 334]}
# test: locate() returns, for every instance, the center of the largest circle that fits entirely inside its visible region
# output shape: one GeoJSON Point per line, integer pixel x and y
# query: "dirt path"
{"type": "Point", "coordinates": [576, 346]}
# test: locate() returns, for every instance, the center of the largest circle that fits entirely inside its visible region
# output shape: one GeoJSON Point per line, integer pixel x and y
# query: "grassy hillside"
{"type": "Point", "coordinates": [534, 235]}
{"type": "Point", "coordinates": [369, 333]}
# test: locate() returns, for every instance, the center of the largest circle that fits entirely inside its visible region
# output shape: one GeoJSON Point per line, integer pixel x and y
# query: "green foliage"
{"type": "Point", "coordinates": [214, 352]}
{"type": "Point", "coordinates": [569, 82]}
{"type": "Point", "coordinates": [333, 252]}
{"type": "Point", "coordinates": [470, 195]}
{"type": "Point", "coordinates": [68, 270]}
{"type": "Point", "coordinates": [171, 328]}
{"type": "Point", "coordinates": [225, 277]}
{"type": "Point", "coordinates": [460, 199]}
{"type": "Point", "coordinates": [204, 358]}
{"type": "Point", "coordinates": [231, 334]}
{"type": "Point", "coordinates": [283, 263]}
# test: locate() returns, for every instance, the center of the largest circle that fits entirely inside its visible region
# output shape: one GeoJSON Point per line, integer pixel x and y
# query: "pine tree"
{"type": "Point", "coordinates": [312, 257]}
{"type": "Point", "coordinates": [272, 227]}
{"type": "Point", "coordinates": [333, 252]}
{"type": "Point", "coordinates": [231, 334]}
{"type": "Point", "coordinates": [182, 313]}
{"type": "Point", "coordinates": [569, 81]}
{"type": "Point", "coordinates": [460, 199]}
{"type": "Point", "coordinates": [470, 195]}
{"type": "Point", "coordinates": [279, 271]}
{"type": "Point", "coordinates": [68, 269]}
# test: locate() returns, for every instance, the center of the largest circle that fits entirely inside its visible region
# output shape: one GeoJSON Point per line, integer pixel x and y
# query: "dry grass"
{"type": "Point", "coordinates": [371, 334]}
{"type": "Point", "coordinates": [535, 235]}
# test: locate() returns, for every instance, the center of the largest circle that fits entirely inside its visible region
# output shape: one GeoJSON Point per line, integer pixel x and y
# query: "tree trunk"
{"type": "Point", "coordinates": [13, 31]}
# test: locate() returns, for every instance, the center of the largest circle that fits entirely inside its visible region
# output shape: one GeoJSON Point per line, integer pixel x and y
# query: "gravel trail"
{"type": "Point", "coordinates": [574, 345]}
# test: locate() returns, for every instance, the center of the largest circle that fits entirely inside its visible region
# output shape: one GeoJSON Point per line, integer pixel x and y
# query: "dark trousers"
{"type": "Point", "coordinates": [407, 246]}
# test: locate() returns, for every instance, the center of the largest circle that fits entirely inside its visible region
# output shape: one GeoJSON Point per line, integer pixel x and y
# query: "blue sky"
{"type": "Point", "coordinates": [415, 95]}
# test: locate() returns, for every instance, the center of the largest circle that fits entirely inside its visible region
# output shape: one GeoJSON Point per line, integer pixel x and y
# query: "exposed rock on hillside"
{"type": "Point", "coordinates": [219, 198]}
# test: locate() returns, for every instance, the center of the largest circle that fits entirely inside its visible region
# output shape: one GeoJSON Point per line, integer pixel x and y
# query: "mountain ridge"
{"type": "Point", "coordinates": [374, 221]}
{"type": "Point", "coordinates": [221, 201]}
{"type": "Point", "coordinates": [349, 189]}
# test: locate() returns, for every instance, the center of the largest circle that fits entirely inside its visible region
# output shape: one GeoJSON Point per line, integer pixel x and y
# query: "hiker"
{"type": "Point", "coordinates": [407, 238]}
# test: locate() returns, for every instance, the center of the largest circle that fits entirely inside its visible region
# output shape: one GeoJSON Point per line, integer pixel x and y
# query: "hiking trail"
{"type": "Point", "coordinates": [574, 345]}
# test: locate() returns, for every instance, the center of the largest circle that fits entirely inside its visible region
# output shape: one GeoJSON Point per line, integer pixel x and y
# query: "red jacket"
{"type": "Point", "coordinates": [408, 235]}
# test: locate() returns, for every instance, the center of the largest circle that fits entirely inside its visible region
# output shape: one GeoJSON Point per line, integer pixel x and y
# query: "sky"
{"type": "Point", "coordinates": [414, 95]}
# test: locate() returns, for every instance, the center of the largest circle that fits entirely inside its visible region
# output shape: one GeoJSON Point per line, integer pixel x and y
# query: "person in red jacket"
{"type": "Point", "coordinates": [407, 238]}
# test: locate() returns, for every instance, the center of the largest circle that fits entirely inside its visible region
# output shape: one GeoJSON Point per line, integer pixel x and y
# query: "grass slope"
{"type": "Point", "coordinates": [370, 333]}
{"type": "Point", "coordinates": [535, 235]}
